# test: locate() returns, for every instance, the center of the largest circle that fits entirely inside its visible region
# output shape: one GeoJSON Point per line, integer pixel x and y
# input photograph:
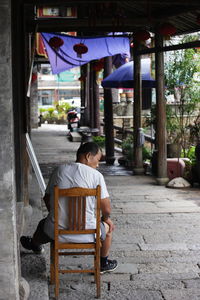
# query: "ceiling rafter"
{"type": "Point", "coordinates": [129, 16]}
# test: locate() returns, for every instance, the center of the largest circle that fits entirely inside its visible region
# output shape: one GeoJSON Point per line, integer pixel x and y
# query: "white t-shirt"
{"type": "Point", "coordinates": [68, 176]}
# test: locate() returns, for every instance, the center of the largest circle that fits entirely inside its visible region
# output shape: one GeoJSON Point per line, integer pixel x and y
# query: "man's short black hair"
{"type": "Point", "coordinates": [85, 148]}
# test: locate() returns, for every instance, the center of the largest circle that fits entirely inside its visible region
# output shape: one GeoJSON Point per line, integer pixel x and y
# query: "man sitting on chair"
{"type": "Point", "coordinates": [82, 173]}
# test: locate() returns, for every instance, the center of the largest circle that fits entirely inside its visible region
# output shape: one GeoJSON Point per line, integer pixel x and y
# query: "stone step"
{"type": "Point", "coordinates": [75, 136]}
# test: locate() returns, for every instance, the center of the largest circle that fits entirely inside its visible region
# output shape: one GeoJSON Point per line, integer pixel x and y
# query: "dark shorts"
{"type": "Point", "coordinates": [40, 237]}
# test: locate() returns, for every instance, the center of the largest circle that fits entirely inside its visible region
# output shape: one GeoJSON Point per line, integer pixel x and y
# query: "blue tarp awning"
{"type": "Point", "coordinates": [66, 58]}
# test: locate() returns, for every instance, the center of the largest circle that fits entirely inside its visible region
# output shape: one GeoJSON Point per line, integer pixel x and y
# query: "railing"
{"type": "Point", "coordinates": [125, 132]}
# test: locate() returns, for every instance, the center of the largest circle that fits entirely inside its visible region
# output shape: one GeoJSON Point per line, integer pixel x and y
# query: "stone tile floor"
{"type": "Point", "coordinates": [156, 241]}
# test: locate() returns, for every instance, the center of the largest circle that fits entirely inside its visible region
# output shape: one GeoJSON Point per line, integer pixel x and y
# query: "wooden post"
{"type": "Point", "coordinates": [160, 114]}
{"type": "Point", "coordinates": [82, 91]}
{"type": "Point", "coordinates": [137, 108]}
{"type": "Point", "coordinates": [96, 105]}
{"type": "Point", "coordinates": [91, 104]}
{"type": "Point", "coordinates": [85, 114]}
{"type": "Point", "coordinates": [86, 119]}
{"type": "Point", "coordinates": [108, 115]}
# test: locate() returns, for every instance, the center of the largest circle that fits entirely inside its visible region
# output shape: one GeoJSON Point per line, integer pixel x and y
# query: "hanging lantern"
{"type": "Point", "coordinates": [167, 30]}
{"type": "Point", "coordinates": [34, 77]}
{"type": "Point", "coordinates": [142, 35]}
{"type": "Point", "coordinates": [98, 66]}
{"type": "Point", "coordinates": [80, 49]}
{"type": "Point", "coordinates": [56, 42]}
{"type": "Point", "coordinates": [132, 45]}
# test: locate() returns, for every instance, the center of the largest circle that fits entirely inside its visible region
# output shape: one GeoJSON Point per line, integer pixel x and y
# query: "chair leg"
{"type": "Point", "coordinates": [97, 274]}
{"type": "Point", "coordinates": [56, 267]}
{"type": "Point", "coordinates": [52, 269]}
{"type": "Point", "coordinates": [98, 283]}
{"type": "Point", "coordinates": [95, 270]}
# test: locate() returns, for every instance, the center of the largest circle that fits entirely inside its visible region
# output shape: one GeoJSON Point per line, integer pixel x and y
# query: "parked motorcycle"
{"type": "Point", "coordinates": [73, 120]}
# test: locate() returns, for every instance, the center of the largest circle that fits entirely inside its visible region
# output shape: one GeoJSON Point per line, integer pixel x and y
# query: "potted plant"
{"type": "Point", "coordinates": [100, 141]}
{"type": "Point", "coordinates": [127, 151]}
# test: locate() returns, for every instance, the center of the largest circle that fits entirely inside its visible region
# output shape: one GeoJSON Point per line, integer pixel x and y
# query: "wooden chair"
{"type": "Point", "coordinates": [76, 198]}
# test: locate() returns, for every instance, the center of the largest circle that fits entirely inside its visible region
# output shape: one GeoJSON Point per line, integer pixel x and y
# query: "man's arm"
{"type": "Point", "coordinates": [46, 199]}
{"type": "Point", "coordinates": [106, 211]}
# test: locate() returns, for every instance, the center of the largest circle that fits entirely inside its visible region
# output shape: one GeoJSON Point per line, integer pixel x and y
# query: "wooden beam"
{"type": "Point", "coordinates": [67, 3]}
{"type": "Point", "coordinates": [194, 44]}
{"type": "Point", "coordinates": [78, 24]}
{"type": "Point", "coordinates": [151, 2]}
{"type": "Point", "coordinates": [103, 25]}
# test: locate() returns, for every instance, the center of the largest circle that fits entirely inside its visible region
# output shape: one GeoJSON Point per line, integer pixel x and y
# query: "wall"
{"type": "Point", "coordinates": [8, 251]}
{"type": "Point", "coordinates": [34, 104]}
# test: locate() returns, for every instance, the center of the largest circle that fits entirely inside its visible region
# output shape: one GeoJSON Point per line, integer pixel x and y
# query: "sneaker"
{"type": "Point", "coordinates": [27, 243]}
{"type": "Point", "coordinates": [109, 267]}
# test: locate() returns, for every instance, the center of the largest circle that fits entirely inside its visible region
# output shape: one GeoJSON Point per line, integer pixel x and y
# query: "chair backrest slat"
{"type": "Point", "coordinates": [84, 212]}
{"type": "Point", "coordinates": [74, 214]}
{"type": "Point", "coordinates": [76, 198]}
{"type": "Point", "coordinates": [70, 210]}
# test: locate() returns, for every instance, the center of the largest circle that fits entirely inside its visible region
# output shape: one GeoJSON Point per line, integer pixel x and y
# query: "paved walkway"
{"type": "Point", "coordinates": [156, 241]}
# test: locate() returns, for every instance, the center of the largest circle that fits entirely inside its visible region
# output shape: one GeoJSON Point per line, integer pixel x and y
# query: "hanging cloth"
{"type": "Point", "coordinates": [65, 57]}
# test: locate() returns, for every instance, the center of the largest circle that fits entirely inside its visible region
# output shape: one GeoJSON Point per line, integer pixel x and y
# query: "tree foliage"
{"type": "Point", "coordinates": [181, 70]}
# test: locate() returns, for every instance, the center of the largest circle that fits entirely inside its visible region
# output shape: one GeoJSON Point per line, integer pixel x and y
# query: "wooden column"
{"type": "Point", "coordinates": [86, 113]}
{"type": "Point", "coordinates": [94, 99]}
{"type": "Point", "coordinates": [85, 116]}
{"type": "Point", "coordinates": [160, 115]}
{"type": "Point", "coordinates": [96, 105]}
{"type": "Point", "coordinates": [91, 94]}
{"type": "Point", "coordinates": [137, 108]}
{"type": "Point", "coordinates": [82, 91]}
{"type": "Point", "coordinates": [108, 115]}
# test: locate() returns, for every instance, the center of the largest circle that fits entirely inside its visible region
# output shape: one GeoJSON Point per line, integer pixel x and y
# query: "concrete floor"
{"type": "Point", "coordinates": [156, 241]}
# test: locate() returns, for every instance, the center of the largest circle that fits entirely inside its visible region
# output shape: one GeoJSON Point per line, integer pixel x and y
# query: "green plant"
{"type": "Point", "coordinates": [180, 69]}
{"type": "Point", "coordinates": [62, 110]}
{"type": "Point", "coordinates": [99, 140]}
{"type": "Point", "coordinates": [187, 174]}
{"type": "Point", "coordinates": [146, 152]}
{"type": "Point", "coordinates": [42, 110]}
{"type": "Point", "coordinates": [190, 153]}
{"type": "Point", "coordinates": [180, 79]}
{"type": "Point", "coordinates": [127, 149]}
{"type": "Point", "coordinates": [51, 111]}
{"type": "Point", "coordinates": [172, 123]}
{"type": "Point", "coordinates": [194, 129]}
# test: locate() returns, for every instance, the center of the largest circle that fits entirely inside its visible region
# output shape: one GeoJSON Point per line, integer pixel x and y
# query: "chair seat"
{"type": "Point", "coordinates": [76, 245]}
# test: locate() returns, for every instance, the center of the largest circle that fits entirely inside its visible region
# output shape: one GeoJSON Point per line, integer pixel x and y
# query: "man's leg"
{"type": "Point", "coordinates": [106, 244]}
{"type": "Point", "coordinates": [39, 237]}
{"type": "Point", "coordinates": [107, 265]}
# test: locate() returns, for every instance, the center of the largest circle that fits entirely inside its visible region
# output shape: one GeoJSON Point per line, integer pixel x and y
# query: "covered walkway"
{"type": "Point", "coordinates": [156, 241]}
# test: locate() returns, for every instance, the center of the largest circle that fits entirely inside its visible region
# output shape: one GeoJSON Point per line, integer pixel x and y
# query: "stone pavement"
{"type": "Point", "coordinates": [156, 241]}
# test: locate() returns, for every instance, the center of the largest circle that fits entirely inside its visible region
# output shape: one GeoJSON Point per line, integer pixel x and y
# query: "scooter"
{"type": "Point", "coordinates": [73, 120]}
